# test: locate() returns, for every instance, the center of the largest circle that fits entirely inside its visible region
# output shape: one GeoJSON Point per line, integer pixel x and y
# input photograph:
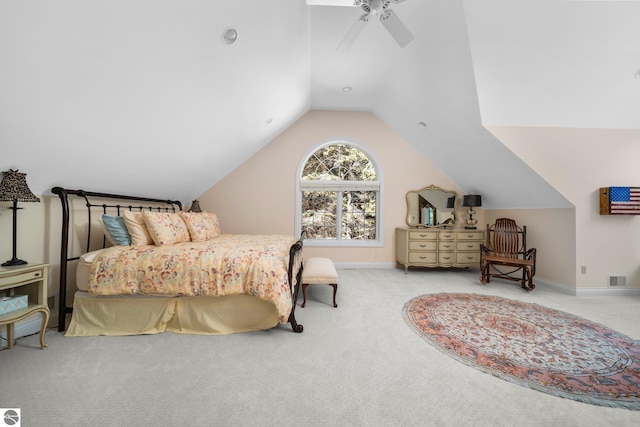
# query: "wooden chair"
{"type": "Point", "coordinates": [505, 253]}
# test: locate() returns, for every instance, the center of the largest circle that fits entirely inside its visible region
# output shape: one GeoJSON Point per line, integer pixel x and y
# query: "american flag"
{"type": "Point", "coordinates": [624, 200]}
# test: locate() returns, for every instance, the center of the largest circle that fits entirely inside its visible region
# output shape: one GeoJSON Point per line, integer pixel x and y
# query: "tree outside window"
{"type": "Point", "coordinates": [340, 195]}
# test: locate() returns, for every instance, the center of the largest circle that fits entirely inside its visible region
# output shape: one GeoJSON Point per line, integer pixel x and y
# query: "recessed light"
{"type": "Point", "coordinates": [269, 120]}
{"type": "Point", "coordinates": [229, 36]}
{"type": "Point", "coordinates": [346, 89]}
{"type": "Point", "coordinates": [638, 74]}
{"type": "Point", "coordinates": [423, 125]}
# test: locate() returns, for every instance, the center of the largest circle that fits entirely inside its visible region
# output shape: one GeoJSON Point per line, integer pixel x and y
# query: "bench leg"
{"type": "Point", "coordinates": [335, 290]}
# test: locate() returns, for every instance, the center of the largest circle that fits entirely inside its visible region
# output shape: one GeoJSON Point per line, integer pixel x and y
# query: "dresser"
{"type": "Point", "coordinates": [431, 247]}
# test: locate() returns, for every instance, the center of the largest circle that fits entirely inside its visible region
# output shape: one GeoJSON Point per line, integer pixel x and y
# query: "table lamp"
{"type": "Point", "coordinates": [14, 188]}
{"type": "Point", "coordinates": [471, 201]}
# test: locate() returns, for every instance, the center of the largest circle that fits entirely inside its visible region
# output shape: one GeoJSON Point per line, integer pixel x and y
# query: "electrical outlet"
{"type": "Point", "coordinates": [583, 269]}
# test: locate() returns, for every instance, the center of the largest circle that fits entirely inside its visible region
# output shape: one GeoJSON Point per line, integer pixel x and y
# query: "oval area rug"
{"type": "Point", "coordinates": [532, 346]}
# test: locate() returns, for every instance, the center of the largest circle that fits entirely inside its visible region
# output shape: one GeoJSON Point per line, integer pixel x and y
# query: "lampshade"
{"type": "Point", "coordinates": [472, 200]}
{"type": "Point", "coordinates": [451, 202]}
{"type": "Point", "coordinates": [14, 187]}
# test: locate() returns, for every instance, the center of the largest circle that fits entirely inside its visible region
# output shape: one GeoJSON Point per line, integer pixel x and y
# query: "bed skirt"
{"type": "Point", "coordinates": [136, 315]}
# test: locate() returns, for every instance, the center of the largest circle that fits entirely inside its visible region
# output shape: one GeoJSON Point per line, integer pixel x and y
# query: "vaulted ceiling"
{"type": "Point", "coordinates": [142, 95]}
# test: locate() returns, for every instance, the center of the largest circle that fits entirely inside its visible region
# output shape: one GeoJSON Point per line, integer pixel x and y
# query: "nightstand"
{"type": "Point", "coordinates": [30, 280]}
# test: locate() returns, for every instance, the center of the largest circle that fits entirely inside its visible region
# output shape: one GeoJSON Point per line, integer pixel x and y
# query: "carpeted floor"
{"type": "Point", "coordinates": [532, 345]}
{"type": "Point", "coordinates": [355, 365]}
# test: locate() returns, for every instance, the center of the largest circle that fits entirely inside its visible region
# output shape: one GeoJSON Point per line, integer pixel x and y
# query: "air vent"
{"type": "Point", "coordinates": [617, 281]}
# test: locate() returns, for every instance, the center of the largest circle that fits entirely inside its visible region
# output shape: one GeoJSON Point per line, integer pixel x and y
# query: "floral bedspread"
{"type": "Point", "coordinates": [229, 264]}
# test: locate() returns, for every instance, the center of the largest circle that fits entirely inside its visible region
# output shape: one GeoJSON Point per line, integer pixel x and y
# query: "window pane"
{"type": "Point", "coordinates": [319, 214]}
{"type": "Point", "coordinates": [359, 215]}
{"type": "Point", "coordinates": [339, 162]}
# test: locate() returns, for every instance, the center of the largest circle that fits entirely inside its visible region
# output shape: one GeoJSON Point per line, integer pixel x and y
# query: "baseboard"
{"type": "Point", "coordinates": [588, 292]}
{"type": "Point", "coordinates": [556, 286]}
{"type": "Point", "coordinates": [608, 292]}
{"type": "Point", "coordinates": [362, 265]}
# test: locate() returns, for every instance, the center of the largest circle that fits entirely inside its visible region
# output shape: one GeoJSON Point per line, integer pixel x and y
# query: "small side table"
{"type": "Point", "coordinates": [30, 280]}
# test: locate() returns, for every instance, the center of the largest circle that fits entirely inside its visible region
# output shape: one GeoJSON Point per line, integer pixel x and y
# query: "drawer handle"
{"type": "Point", "coordinates": [422, 257]}
{"type": "Point", "coordinates": [446, 257]}
{"type": "Point", "coordinates": [423, 235]}
{"type": "Point", "coordinates": [469, 246]}
{"type": "Point", "coordinates": [446, 235]}
{"type": "Point", "coordinates": [469, 257]}
{"type": "Point", "coordinates": [447, 246]}
{"type": "Point", "coordinates": [37, 274]}
{"type": "Point", "coordinates": [423, 246]}
{"type": "Point", "coordinates": [470, 236]}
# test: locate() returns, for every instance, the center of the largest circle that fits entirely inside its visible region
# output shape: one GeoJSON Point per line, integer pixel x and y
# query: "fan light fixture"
{"type": "Point", "coordinates": [423, 125]}
{"type": "Point", "coordinates": [229, 36]}
{"type": "Point", "coordinates": [388, 18]}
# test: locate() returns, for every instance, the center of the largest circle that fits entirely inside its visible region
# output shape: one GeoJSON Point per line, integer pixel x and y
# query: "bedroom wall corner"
{"type": "Point", "coordinates": [584, 160]}
{"type": "Point", "coordinates": [552, 233]}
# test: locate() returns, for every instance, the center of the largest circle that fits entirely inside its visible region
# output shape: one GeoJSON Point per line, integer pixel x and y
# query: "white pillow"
{"type": "Point", "coordinates": [137, 228]}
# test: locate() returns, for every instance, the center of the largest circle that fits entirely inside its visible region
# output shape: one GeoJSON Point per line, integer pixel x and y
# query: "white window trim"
{"type": "Point", "coordinates": [337, 186]}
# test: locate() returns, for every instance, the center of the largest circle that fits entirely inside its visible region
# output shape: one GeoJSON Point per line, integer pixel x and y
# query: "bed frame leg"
{"type": "Point", "coordinates": [292, 317]}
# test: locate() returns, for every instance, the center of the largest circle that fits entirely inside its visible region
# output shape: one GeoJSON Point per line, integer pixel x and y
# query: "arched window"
{"type": "Point", "coordinates": [339, 196]}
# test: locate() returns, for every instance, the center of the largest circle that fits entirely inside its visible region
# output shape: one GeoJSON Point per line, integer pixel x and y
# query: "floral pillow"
{"type": "Point", "coordinates": [166, 228]}
{"type": "Point", "coordinates": [202, 225]}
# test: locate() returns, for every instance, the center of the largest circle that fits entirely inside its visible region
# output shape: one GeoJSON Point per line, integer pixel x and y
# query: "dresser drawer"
{"type": "Point", "coordinates": [470, 235]}
{"type": "Point", "coordinates": [468, 246]}
{"type": "Point", "coordinates": [424, 245]}
{"type": "Point", "coordinates": [426, 257]}
{"type": "Point", "coordinates": [423, 235]}
{"type": "Point", "coordinates": [471, 259]}
{"type": "Point", "coordinates": [446, 246]}
{"type": "Point", "coordinates": [446, 258]}
{"type": "Point", "coordinates": [21, 277]}
{"type": "Point", "coordinates": [446, 235]}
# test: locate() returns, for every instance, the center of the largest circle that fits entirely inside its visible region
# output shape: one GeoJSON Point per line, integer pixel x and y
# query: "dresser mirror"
{"type": "Point", "coordinates": [431, 207]}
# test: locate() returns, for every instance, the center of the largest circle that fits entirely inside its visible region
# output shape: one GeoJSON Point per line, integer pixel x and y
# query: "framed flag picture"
{"type": "Point", "coordinates": [620, 201]}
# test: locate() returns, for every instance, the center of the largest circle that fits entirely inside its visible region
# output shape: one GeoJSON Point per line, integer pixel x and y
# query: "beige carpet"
{"type": "Point", "coordinates": [355, 365]}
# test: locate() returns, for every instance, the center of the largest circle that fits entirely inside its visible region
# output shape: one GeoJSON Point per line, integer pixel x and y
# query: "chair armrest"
{"type": "Point", "coordinates": [485, 249]}
{"type": "Point", "coordinates": [530, 254]}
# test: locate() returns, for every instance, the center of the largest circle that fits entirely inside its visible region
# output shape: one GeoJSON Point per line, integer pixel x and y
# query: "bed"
{"type": "Point", "coordinates": [135, 265]}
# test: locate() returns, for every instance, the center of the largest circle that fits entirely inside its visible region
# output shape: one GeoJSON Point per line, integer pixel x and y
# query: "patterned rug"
{"type": "Point", "coordinates": [533, 346]}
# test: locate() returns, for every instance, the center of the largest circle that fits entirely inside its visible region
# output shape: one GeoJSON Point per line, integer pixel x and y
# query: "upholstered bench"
{"type": "Point", "coordinates": [319, 270]}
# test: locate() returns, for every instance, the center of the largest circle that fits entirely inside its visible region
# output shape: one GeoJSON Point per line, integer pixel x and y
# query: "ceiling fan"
{"type": "Point", "coordinates": [389, 19]}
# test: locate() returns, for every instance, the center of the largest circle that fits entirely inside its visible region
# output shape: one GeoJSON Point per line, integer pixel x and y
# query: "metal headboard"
{"type": "Point", "coordinates": [105, 202]}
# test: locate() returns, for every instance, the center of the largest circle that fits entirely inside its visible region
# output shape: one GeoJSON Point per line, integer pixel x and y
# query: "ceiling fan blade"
{"type": "Point", "coordinates": [353, 33]}
{"type": "Point", "coordinates": [396, 27]}
{"type": "Point", "coordinates": [335, 2]}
